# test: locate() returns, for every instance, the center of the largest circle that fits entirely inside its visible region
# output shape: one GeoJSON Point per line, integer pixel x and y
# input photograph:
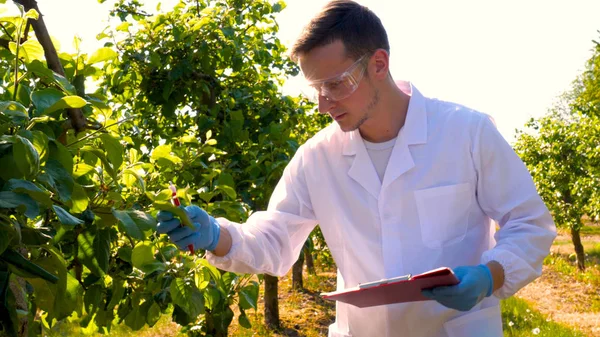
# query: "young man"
{"type": "Point", "coordinates": [399, 184]}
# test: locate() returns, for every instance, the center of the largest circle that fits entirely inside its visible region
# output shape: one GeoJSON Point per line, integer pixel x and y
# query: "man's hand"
{"type": "Point", "coordinates": [205, 235]}
{"type": "Point", "coordinates": [475, 283]}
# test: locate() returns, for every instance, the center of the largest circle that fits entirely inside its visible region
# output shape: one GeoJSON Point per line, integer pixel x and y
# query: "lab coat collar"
{"type": "Point", "coordinates": [413, 132]}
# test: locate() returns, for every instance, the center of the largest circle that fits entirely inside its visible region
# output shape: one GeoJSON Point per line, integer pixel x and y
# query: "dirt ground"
{"type": "Point", "coordinates": [562, 298]}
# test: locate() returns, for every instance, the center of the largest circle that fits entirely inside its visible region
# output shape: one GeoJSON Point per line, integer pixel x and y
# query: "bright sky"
{"type": "Point", "coordinates": [509, 58]}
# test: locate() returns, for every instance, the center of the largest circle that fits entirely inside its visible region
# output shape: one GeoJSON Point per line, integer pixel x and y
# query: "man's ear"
{"type": "Point", "coordinates": [380, 64]}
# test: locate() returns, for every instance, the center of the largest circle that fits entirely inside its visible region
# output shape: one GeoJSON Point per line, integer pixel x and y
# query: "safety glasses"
{"type": "Point", "coordinates": [338, 87]}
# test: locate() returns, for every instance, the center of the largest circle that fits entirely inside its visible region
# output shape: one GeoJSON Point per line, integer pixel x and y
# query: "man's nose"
{"type": "Point", "coordinates": [325, 104]}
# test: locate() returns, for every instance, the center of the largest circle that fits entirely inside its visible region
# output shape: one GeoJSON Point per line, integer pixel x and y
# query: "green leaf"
{"type": "Point", "coordinates": [139, 178]}
{"type": "Point", "coordinates": [65, 103]}
{"type": "Point", "coordinates": [10, 199]}
{"type": "Point", "coordinates": [180, 317]}
{"type": "Point", "coordinates": [249, 297]}
{"type": "Point", "coordinates": [178, 211]}
{"type": "Point", "coordinates": [123, 27]}
{"type": "Point", "coordinates": [61, 154]}
{"type": "Point", "coordinates": [45, 98]}
{"type": "Point", "coordinates": [29, 51]}
{"type": "Point", "coordinates": [14, 111]}
{"type": "Point", "coordinates": [26, 156]}
{"type": "Point", "coordinates": [79, 199]}
{"type": "Point", "coordinates": [34, 236]}
{"type": "Point", "coordinates": [169, 252]}
{"type": "Point", "coordinates": [230, 192]}
{"type": "Point", "coordinates": [51, 77]}
{"type": "Point", "coordinates": [155, 266]}
{"type": "Point", "coordinates": [114, 150]}
{"type": "Point", "coordinates": [29, 188]}
{"type": "Point", "coordinates": [136, 318]}
{"type": "Point", "coordinates": [92, 298]}
{"type": "Point", "coordinates": [212, 297]}
{"type": "Point", "coordinates": [65, 217]}
{"type": "Point", "coordinates": [59, 300]}
{"type": "Point", "coordinates": [244, 321]}
{"type": "Point", "coordinates": [94, 250]}
{"type": "Point", "coordinates": [102, 55]}
{"type": "Point", "coordinates": [163, 156]}
{"type": "Point", "coordinates": [185, 294]}
{"type": "Point", "coordinates": [5, 239]}
{"type": "Point", "coordinates": [8, 169]}
{"type": "Point", "coordinates": [39, 140]}
{"type": "Point", "coordinates": [100, 155]}
{"type": "Point", "coordinates": [124, 253]}
{"type": "Point", "coordinates": [15, 258]}
{"type": "Point", "coordinates": [142, 254]}
{"type": "Point", "coordinates": [226, 184]}
{"type": "Point", "coordinates": [32, 14]}
{"type": "Point", "coordinates": [153, 314]}
{"type": "Point", "coordinates": [136, 224]}
{"type": "Point", "coordinates": [214, 272]}
{"type": "Point", "coordinates": [57, 179]}
{"type": "Point", "coordinates": [279, 6]}
{"type": "Point", "coordinates": [118, 290]}
{"type": "Point", "coordinates": [82, 169]}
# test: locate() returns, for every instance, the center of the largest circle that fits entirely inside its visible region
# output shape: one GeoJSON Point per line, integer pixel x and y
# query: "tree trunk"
{"type": "Point", "coordinates": [310, 264]}
{"type": "Point", "coordinates": [297, 273]}
{"type": "Point", "coordinates": [271, 302]}
{"type": "Point", "coordinates": [578, 249]}
{"type": "Point", "coordinates": [76, 117]}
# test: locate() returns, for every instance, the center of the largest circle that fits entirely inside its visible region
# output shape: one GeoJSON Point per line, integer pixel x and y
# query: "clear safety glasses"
{"type": "Point", "coordinates": [338, 87]}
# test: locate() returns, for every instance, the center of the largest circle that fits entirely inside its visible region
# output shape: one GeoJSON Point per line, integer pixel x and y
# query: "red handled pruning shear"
{"type": "Point", "coordinates": [177, 203]}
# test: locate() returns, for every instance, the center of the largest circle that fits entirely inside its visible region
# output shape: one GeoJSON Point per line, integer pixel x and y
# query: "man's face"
{"type": "Point", "coordinates": [345, 92]}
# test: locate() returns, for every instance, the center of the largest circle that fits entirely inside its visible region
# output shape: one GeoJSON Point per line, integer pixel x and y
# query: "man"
{"type": "Point", "coordinates": [399, 184]}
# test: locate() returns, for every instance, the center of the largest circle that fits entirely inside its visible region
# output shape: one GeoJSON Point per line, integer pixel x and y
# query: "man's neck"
{"type": "Point", "coordinates": [388, 117]}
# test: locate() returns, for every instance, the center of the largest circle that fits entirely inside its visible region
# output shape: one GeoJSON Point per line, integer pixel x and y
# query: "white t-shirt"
{"type": "Point", "coordinates": [380, 155]}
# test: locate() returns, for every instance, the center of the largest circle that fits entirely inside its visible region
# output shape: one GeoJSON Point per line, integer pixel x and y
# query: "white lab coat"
{"type": "Point", "coordinates": [449, 174]}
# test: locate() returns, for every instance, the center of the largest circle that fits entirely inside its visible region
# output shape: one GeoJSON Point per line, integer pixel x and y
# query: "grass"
{"type": "Point", "coordinates": [590, 230]}
{"type": "Point", "coordinates": [519, 320]}
{"type": "Point", "coordinates": [566, 266]}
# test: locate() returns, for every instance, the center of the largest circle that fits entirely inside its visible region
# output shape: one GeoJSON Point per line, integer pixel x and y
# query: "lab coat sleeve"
{"type": "Point", "coordinates": [270, 241]}
{"type": "Point", "coordinates": [507, 194]}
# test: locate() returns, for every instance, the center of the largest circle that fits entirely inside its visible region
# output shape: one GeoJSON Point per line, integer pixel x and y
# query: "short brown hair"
{"type": "Point", "coordinates": [359, 29]}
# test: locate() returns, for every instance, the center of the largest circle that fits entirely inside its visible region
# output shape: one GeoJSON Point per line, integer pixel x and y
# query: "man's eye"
{"type": "Point", "coordinates": [333, 85]}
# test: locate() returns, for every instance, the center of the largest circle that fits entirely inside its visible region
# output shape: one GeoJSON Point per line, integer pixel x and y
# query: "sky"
{"type": "Point", "coordinates": [510, 59]}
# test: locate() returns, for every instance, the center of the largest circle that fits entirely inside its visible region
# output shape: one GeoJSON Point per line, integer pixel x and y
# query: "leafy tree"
{"type": "Point", "coordinates": [189, 96]}
{"type": "Point", "coordinates": [563, 154]}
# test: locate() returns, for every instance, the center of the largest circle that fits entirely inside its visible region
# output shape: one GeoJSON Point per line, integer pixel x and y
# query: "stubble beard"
{"type": "Point", "coordinates": [367, 112]}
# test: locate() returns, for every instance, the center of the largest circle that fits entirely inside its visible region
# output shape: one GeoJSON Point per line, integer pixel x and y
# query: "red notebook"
{"type": "Point", "coordinates": [394, 290]}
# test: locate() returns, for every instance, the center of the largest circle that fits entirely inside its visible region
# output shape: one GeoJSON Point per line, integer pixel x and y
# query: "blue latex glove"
{"type": "Point", "coordinates": [204, 236]}
{"type": "Point", "coordinates": [475, 283]}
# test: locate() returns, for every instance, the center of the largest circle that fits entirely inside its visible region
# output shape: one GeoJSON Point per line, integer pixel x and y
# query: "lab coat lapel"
{"type": "Point", "coordinates": [413, 132]}
{"type": "Point", "coordinates": [362, 169]}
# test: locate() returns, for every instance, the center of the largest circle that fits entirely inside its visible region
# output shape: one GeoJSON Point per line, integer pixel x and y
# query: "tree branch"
{"type": "Point", "coordinates": [76, 117]}
{"type": "Point", "coordinates": [5, 31]}
{"type": "Point", "coordinates": [25, 35]}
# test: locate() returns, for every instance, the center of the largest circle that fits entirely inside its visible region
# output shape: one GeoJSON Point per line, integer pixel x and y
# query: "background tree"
{"type": "Point", "coordinates": [562, 152]}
